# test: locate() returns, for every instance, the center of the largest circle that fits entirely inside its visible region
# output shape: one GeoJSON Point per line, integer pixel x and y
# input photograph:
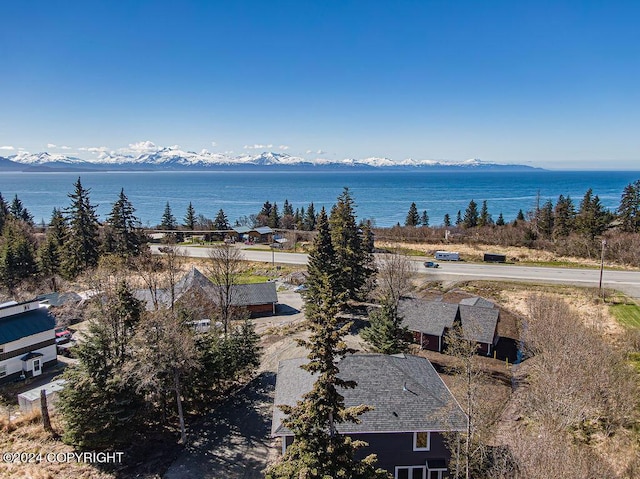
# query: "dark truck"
{"type": "Point", "coordinates": [495, 258]}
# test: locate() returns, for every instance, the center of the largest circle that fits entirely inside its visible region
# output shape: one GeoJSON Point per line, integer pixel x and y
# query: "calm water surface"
{"type": "Point", "coordinates": [383, 196]}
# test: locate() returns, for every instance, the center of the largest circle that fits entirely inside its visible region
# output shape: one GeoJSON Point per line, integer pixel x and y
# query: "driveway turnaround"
{"type": "Point", "coordinates": [232, 442]}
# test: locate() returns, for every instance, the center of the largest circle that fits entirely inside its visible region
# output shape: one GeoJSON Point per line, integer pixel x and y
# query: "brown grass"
{"type": "Point", "coordinates": [25, 434]}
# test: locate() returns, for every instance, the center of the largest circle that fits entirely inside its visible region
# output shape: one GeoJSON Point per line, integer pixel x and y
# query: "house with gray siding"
{"type": "Point", "coordinates": [412, 409]}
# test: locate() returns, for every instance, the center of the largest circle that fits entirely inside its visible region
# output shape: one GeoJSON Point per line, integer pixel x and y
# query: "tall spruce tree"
{"type": "Point", "coordinates": [592, 218]}
{"type": "Point", "coordinates": [413, 217]}
{"type": "Point", "coordinates": [82, 247]}
{"type": "Point", "coordinates": [274, 217]}
{"type": "Point", "coordinates": [19, 212]}
{"type": "Point", "coordinates": [458, 218]}
{"type": "Point", "coordinates": [123, 235]}
{"type": "Point", "coordinates": [352, 259]}
{"type": "Point", "coordinates": [500, 220]}
{"type": "Point", "coordinates": [485, 217]}
{"type": "Point", "coordinates": [471, 215]}
{"type": "Point", "coordinates": [221, 223]}
{"type": "Point", "coordinates": [4, 212]}
{"type": "Point", "coordinates": [546, 219]}
{"type": "Point", "coordinates": [319, 451]}
{"type": "Point", "coordinates": [447, 220]}
{"type": "Point", "coordinates": [51, 251]}
{"type": "Point", "coordinates": [629, 209]}
{"type": "Point", "coordinates": [168, 221]}
{"type": "Point", "coordinates": [309, 218]}
{"type": "Point", "coordinates": [17, 255]}
{"type": "Point", "coordinates": [190, 217]}
{"type": "Point", "coordinates": [424, 218]}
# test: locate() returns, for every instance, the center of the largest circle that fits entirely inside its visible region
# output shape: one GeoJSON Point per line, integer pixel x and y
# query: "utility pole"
{"type": "Point", "coordinates": [604, 243]}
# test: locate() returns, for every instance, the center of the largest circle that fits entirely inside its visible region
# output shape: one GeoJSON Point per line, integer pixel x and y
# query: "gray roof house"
{"type": "Point", "coordinates": [258, 298]}
{"type": "Point", "coordinates": [412, 407]}
{"type": "Point", "coordinates": [429, 321]}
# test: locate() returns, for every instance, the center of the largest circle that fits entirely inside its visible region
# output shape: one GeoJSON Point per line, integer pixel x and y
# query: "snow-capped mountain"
{"type": "Point", "coordinates": [175, 158]}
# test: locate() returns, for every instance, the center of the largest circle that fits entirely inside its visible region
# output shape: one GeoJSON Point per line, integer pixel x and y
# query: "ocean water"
{"type": "Point", "coordinates": [383, 196]}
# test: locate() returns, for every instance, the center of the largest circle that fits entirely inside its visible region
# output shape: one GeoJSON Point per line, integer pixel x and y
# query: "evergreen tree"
{"type": "Point", "coordinates": [592, 219]}
{"type": "Point", "coordinates": [520, 216]}
{"type": "Point", "coordinates": [352, 260]}
{"type": "Point", "coordinates": [500, 220]}
{"type": "Point", "coordinates": [564, 217]}
{"type": "Point", "coordinates": [447, 220]}
{"type": "Point", "coordinates": [629, 209]}
{"type": "Point", "coordinates": [458, 218]}
{"type": "Point", "coordinates": [485, 218]}
{"type": "Point", "coordinates": [221, 222]}
{"type": "Point", "coordinates": [287, 209]}
{"type": "Point", "coordinates": [19, 212]}
{"type": "Point", "coordinates": [471, 215]}
{"type": "Point", "coordinates": [4, 212]}
{"type": "Point", "coordinates": [190, 217]}
{"type": "Point", "coordinates": [319, 451]}
{"type": "Point", "coordinates": [546, 219]}
{"type": "Point", "coordinates": [385, 332]}
{"type": "Point", "coordinates": [168, 221]}
{"type": "Point", "coordinates": [82, 245]}
{"type": "Point", "coordinates": [51, 251]}
{"type": "Point", "coordinates": [413, 218]}
{"type": "Point", "coordinates": [265, 213]}
{"type": "Point", "coordinates": [424, 219]}
{"type": "Point", "coordinates": [274, 217]}
{"type": "Point", "coordinates": [17, 256]}
{"type": "Point", "coordinates": [309, 218]}
{"type": "Point", "coordinates": [123, 235]}
{"type": "Point", "coordinates": [103, 409]}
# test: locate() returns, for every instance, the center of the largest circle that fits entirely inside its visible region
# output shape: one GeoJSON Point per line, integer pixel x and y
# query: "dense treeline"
{"type": "Point", "coordinates": [73, 243]}
{"type": "Point", "coordinates": [563, 228]}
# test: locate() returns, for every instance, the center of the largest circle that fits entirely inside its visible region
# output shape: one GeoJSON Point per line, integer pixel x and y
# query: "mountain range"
{"type": "Point", "coordinates": [175, 159]}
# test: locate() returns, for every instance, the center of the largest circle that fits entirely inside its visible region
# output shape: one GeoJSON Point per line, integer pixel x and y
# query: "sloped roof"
{"type": "Point", "coordinates": [58, 299]}
{"type": "Point", "coordinates": [405, 391]}
{"type": "Point", "coordinates": [477, 301]}
{"type": "Point", "coordinates": [479, 323]}
{"type": "Point", "coordinates": [255, 293]}
{"type": "Point", "coordinates": [429, 317]}
{"type": "Point", "coordinates": [195, 282]}
{"type": "Point", "coordinates": [433, 317]}
{"type": "Point", "coordinates": [26, 324]}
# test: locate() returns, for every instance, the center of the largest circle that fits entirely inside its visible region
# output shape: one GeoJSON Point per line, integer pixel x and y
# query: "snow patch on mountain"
{"type": "Point", "coordinates": [148, 155]}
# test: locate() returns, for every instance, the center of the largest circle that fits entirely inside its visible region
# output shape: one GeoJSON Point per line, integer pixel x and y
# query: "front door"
{"type": "Point", "coordinates": [36, 367]}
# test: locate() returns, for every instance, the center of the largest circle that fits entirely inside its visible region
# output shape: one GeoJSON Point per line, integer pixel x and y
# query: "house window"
{"type": "Point", "coordinates": [411, 472]}
{"type": "Point", "coordinates": [3, 370]}
{"type": "Point", "coordinates": [421, 441]}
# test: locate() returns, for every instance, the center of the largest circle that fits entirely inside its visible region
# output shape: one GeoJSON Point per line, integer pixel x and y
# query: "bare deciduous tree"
{"type": "Point", "coordinates": [224, 266]}
{"type": "Point", "coordinates": [165, 356]}
{"type": "Point", "coordinates": [394, 278]}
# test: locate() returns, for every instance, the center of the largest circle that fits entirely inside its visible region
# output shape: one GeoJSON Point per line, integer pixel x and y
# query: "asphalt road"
{"type": "Point", "coordinates": [626, 281]}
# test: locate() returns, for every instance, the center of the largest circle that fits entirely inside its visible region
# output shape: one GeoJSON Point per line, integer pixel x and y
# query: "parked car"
{"type": "Point", "coordinates": [301, 288]}
{"type": "Point", "coordinates": [62, 335]}
{"type": "Point", "coordinates": [431, 264]}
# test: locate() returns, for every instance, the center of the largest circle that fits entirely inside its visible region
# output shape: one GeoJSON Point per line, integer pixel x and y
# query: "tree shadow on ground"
{"type": "Point", "coordinates": [233, 441]}
{"type": "Point", "coordinates": [286, 310]}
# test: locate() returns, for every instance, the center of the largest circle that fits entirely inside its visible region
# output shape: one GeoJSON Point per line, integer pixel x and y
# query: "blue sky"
{"type": "Point", "coordinates": [553, 84]}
